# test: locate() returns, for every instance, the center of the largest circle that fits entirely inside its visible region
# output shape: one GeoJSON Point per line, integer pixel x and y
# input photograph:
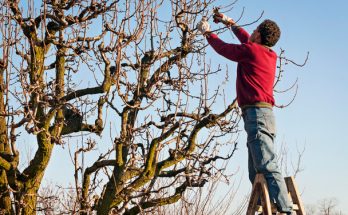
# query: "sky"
{"type": "Point", "coordinates": [317, 119]}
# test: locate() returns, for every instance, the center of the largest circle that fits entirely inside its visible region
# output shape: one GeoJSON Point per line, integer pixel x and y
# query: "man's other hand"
{"type": "Point", "coordinates": [203, 26]}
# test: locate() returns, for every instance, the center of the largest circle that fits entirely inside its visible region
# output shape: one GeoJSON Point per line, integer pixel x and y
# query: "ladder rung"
{"type": "Point", "coordinates": [295, 207]}
{"type": "Point", "coordinates": [258, 208]}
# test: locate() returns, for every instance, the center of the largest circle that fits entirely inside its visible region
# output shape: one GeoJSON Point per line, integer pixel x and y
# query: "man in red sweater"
{"type": "Point", "coordinates": [255, 79]}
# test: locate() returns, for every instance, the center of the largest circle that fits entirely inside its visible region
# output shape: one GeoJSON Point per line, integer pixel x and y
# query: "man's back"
{"type": "Point", "coordinates": [255, 71]}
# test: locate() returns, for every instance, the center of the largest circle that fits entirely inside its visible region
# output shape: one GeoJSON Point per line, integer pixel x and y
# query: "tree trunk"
{"type": "Point", "coordinates": [28, 203]}
{"type": "Point", "coordinates": [5, 199]}
{"type": "Point", "coordinates": [35, 171]}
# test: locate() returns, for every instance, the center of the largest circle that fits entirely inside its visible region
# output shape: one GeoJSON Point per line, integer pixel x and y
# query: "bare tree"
{"type": "Point", "coordinates": [328, 206]}
{"type": "Point", "coordinates": [146, 74]}
{"type": "Point", "coordinates": [325, 206]}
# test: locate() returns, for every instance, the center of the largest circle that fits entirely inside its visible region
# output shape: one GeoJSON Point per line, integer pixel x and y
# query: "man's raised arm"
{"type": "Point", "coordinates": [234, 52]}
{"type": "Point", "coordinates": [240, 33]}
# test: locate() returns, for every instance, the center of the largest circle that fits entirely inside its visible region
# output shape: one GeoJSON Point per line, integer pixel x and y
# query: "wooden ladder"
{"type": "Point", "coordinates": [260, 190]}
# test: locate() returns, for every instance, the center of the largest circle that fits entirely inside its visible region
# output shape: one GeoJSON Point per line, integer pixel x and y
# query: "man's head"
{"type": "Point", "coordinates": [267, 33]}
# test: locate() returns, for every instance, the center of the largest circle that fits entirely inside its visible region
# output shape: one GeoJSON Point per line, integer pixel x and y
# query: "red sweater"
{"type": "Point", "coordinates": [256, 67]}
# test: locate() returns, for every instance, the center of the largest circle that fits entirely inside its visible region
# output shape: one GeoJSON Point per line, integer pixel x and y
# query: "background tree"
{"type": "Point", "coordinates": [328, 206]}
{"type": "Point", "coordinates": [144, 66]}
{"type": "Point", "coordinates": [325, 206]}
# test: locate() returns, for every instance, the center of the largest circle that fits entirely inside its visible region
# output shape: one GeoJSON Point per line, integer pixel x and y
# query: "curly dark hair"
{"type": "Point", "coordinates": [270, 32]}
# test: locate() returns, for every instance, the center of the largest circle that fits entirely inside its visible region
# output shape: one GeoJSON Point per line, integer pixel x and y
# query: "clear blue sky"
{"type": "Point", "coordinates": [317, 118]}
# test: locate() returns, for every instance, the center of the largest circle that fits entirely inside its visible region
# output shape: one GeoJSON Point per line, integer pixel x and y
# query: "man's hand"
{"type": "Point", "coordinates": [220, 17]}
{"type": "Point", "coordinates": [203, 26]}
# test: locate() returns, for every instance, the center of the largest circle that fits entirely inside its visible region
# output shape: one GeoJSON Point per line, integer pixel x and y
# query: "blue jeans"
{"type": "Point", "coordinates": [259, 124]}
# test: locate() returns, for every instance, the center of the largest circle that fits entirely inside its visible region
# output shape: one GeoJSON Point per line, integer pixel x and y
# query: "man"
{"type": "Point", "coordinates": [255, 79]}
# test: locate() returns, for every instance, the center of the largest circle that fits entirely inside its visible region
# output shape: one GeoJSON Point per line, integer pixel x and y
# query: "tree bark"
{"type": "Point", "coordinates": [5, 199]}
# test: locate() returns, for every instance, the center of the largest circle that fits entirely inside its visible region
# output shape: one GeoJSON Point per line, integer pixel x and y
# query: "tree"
{"type": "Point", "coordinates": [324, 206]}
{"type": "Point", "coordinates": [328, 206]}
{"type": "Point", "coordinates": [144, 64]}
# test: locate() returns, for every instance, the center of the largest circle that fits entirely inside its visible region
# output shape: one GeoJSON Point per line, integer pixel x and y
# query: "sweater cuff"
{"type": "Point", "coordinates": [211, 36]}
{"type": "Point", "coordinates": [235, 28]}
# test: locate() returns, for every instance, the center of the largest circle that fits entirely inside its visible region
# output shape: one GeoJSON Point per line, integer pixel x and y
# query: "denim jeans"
{"type": "Point", "coordinates": [259, 124]}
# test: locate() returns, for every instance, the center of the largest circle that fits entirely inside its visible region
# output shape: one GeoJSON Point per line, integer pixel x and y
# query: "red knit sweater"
{"type": "Point", "coordinates": [256, 67]}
